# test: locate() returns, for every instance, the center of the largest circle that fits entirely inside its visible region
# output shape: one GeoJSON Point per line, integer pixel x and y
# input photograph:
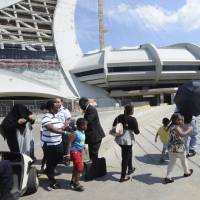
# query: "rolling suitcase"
{"type": "Point", "coordinates": [95, 169]}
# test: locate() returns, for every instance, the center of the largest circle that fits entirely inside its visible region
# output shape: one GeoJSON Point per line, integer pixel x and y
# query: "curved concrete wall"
{"type": "Point", "coordinates": [69, 51]}
{"type": "Point", "coordinates": [13, 84]}
{"type": "Point", "coordinates": [66, 43]}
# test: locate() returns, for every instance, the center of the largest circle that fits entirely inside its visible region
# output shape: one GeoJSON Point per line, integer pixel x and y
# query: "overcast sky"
{"type": "Point", "coordinates": [134, 22]}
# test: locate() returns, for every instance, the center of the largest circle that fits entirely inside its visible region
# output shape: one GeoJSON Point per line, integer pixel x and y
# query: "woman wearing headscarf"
{"type": "Point", "coordinates": [14, 125]}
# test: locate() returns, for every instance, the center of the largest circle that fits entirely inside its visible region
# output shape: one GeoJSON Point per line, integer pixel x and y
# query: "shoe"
{"type": "Point", "coordinates": [191, 153]}
{"type": "Point", "coordinates": [121, 180]}
{"type": "Point", "coordinates": [191, 172]}
{"type": "Point", "coordinates": [168, 180]}
{"type": "Point", "coordinates": [130, 171]}
{"type": "Point", "coordinates": [71, 184]}
{"type": "Point", "coordinates": [78, 188]}
{"type": "Point", "coordinates": [54, 186]}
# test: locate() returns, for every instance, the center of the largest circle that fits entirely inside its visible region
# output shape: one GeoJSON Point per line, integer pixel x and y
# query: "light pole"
{"type": "Point", "coordinates": [101, 23]}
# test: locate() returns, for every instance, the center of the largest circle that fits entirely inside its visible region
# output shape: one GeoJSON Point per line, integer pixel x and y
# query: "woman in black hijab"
{"type": "Point", "coordinates": [15, 120]}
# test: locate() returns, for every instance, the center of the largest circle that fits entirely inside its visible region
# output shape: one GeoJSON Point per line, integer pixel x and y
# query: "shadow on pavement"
{"type": "Point", "coordinates": [150, 180]}
{"type": "Point", "coordinates": [110, 176]}
{"type": "Point", "coordinates": [44, 183]}
{"type": "Point", "coordinates": [147, 179]}
{"type": "Point", "coordinates": [152, 159]}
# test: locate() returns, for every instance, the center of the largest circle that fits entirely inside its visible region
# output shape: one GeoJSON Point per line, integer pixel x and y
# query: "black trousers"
{"type": "Point", "coordinates": [53, 155]}
{"type": "Point", "coordinates": [11, 138]}
{"type": "Point", "coordinates": [94, 149]}
{"type": "Point", "coordinates": [6, 177]}
{"type": "Point", "coordinates": [126, 151]}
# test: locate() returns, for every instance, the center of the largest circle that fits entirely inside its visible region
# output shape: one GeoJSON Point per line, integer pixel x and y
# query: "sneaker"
{"type": "Point", "coordinates": [191, 153]}
{"type": "Point", "coordinates": [71, 184]}
{"type": "Point", "coordinates": [55, 186]}
{"type": "Point", "coordinates": [79, 188]}
{"type": "Point", "coordinates": [130, 171]}
{"type": "Point", "coordinates": [168, 180]}
{"type": "Point", "coordinates": [190, 173]}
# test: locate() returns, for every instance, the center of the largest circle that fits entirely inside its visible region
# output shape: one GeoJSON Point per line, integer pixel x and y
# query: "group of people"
{"type": "Point", "coordinates": [179, 138]}
{"type": "Point", "coordinates": [62, 143]}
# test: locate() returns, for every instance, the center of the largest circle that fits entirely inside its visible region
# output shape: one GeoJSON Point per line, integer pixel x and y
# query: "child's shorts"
{"type": "Point", "coordinates": [77, 159]}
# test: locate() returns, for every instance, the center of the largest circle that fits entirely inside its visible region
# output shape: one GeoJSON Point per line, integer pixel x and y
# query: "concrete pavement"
{"type": "Point", "coordinates": [146, 182]}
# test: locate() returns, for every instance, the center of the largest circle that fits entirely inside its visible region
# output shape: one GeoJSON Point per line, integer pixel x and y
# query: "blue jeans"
{"type": "Point", "coordinates": [191, 139]}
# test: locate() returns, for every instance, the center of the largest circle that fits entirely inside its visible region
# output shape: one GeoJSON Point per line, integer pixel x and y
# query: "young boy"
{"type": "Point", "coordinates": [163, 134]}
{"type": "Point", "coordinates": [77, 139]}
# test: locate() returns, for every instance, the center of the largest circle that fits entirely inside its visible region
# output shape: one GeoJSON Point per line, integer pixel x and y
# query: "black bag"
{"type": "Point", "coordinates": [95, 169]}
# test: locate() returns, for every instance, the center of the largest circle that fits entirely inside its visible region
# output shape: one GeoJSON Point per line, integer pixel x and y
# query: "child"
{"type": "Point", "coordinates": [164, 137]}
{"type": "Point", "coordinates": [176, 146]}
{"type": "Point", "coordinates": [77, 139]}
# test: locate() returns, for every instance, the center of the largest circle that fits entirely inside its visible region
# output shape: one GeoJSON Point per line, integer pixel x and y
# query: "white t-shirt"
{"type": "Point", "coordinates": [49, 137]}
{"type": "Point", "coordinates": [63, 114]}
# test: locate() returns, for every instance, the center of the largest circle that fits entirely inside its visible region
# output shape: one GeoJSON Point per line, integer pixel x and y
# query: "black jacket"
{"type": "Point", "coordinates": [128, 122]}
{"type": "Point", "coordinates": [94, 132]}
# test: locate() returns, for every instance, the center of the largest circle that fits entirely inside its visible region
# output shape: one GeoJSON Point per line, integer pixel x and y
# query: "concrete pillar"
{"type": "Point", "coordinates": [172, 98]}
{"type": "Point", "coordinates": [161, 98]}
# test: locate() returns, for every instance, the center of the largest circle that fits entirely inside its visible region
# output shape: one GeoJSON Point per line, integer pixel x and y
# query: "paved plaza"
{"type": "Point", "coordinates": [146, 182]}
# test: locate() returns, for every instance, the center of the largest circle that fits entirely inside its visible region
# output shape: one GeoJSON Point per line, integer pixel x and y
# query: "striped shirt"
{"type": "Point", "coordinates": [49, 137]}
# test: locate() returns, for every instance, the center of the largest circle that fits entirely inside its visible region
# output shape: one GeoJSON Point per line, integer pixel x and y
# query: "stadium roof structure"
{"type": "Point", "coordinates": [40, 56]}
{"type": "Point", "coordinates": [144, 67]}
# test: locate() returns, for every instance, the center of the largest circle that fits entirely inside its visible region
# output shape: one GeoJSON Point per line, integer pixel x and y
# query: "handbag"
{"type": "Point", "coordinates": [117, 130]}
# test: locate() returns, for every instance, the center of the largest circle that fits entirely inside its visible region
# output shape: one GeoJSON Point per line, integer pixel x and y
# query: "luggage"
{"type": "Point", "coordinates": [95, 169]}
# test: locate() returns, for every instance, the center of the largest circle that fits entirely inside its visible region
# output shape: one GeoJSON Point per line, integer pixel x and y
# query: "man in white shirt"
{"type": "Point", "coordinates": [65, 116]}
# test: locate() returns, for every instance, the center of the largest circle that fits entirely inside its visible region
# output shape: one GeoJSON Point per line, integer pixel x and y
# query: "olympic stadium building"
{"type": "Point", "coordinates": [41, 57]}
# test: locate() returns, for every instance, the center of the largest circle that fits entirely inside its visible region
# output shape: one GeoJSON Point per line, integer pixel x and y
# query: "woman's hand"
{"type": "Point", "coordinates": [21, 121]}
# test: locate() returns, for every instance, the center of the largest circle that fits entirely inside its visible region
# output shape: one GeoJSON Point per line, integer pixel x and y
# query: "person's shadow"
{"type": "Point", "coordinates": [147, 178]}
{"type": "Point", "coordinates": [150, 180]}
{"type": "Point", "coordinates": [152, 159]}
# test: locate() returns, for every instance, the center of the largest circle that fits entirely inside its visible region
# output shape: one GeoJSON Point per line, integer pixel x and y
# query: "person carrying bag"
{"type": "Point", "coordinates": [125, 140]}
